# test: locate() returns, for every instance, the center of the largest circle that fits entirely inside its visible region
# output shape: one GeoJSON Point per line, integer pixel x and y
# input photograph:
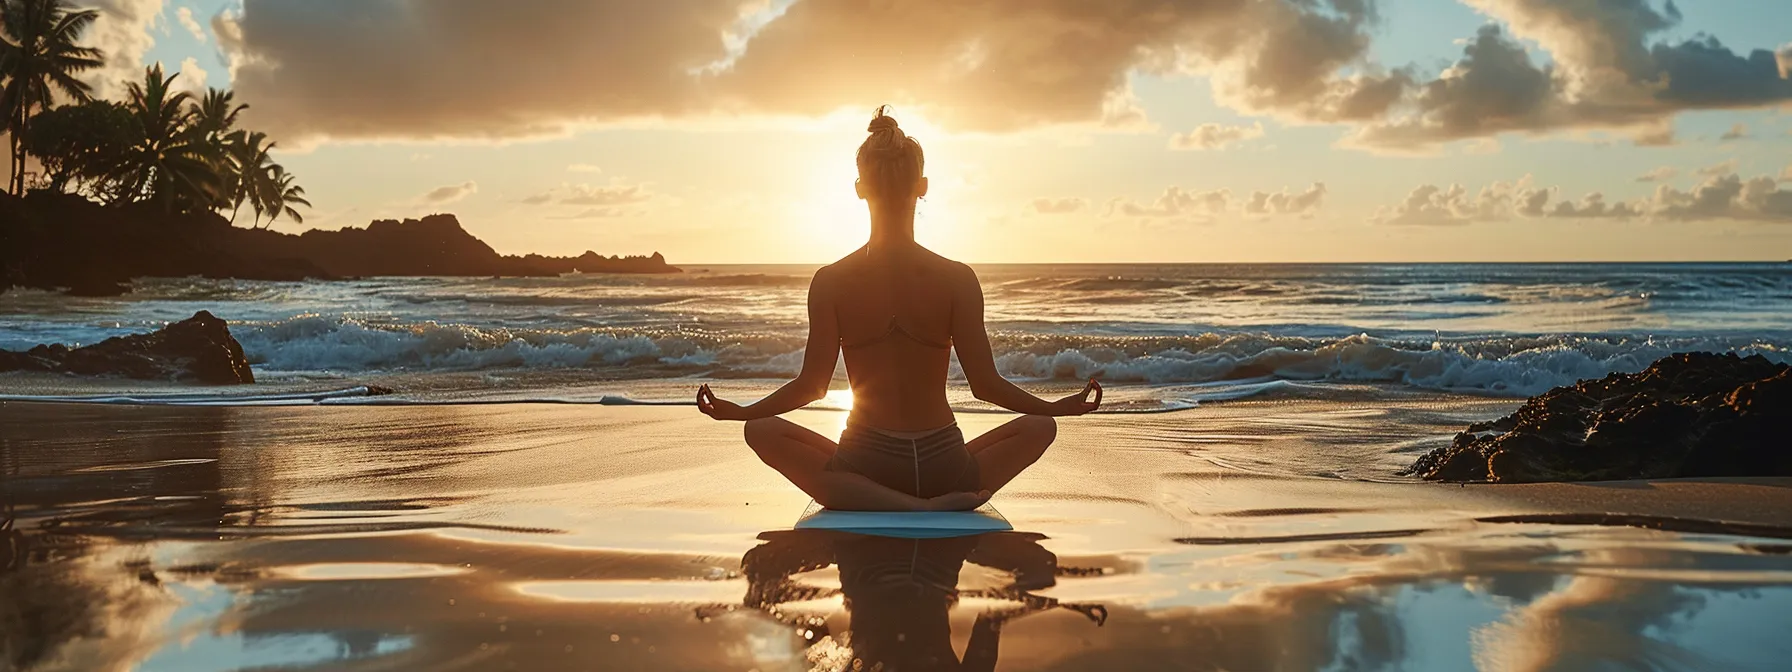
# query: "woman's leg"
{"type": "Point", "coordinates": [1002, 453]}
{"type": "Point", "coordinates": [802, 455]}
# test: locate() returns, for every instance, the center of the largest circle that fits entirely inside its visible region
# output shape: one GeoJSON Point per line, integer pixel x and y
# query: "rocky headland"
{"type": "Point", "coordinates": [65, 242]}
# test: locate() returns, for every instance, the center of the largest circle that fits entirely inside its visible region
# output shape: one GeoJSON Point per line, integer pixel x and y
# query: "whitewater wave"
{"type": "Point", "coordinates": [1494, 365]}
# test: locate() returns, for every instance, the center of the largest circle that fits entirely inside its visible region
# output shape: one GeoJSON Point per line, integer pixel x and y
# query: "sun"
{"type": "Point", "coordinates": [832, 220]}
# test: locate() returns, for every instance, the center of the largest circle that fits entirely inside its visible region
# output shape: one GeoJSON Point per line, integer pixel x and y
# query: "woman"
{"type": "Point", "coordinates": [896, 310]}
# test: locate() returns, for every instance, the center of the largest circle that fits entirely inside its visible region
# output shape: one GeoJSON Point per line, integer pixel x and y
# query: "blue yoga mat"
{"type": "Point", "coordinates": [907, 524]}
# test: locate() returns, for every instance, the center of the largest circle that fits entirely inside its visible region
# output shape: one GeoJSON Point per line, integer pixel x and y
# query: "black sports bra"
{"type": "Point", "coordinates": [896, 329]}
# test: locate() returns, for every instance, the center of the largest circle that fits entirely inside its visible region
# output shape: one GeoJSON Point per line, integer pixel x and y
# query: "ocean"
{"type": "Point", "coordinates": [1168, 336]}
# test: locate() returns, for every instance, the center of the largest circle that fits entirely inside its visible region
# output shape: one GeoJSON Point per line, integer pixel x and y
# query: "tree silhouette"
{"type": "Point", "coordinates": [40, 55]}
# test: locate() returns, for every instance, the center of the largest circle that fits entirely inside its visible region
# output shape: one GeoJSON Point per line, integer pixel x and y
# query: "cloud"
{"type": "Point", "coordinates": [1725, 168]}
{"type": "Point", "coordinates": [1175, 202]}
{"type": "Point", "coordinates": [1725, 197]}
{"type": "Point", "coordinates": [1786, 175]}
{"type": "Point", "coordinates": [613, 194]}
{"type": "Point", "coordinates": [1721, 196]}
{"type": "Point", "coordinates": [451, 193]}
{"type": "Point", "coordinates": [1736, 132]}
{"type": "Point", "coordinates": [1654, 135]}
{"type": "Point", "coordinates": [326, 69]}
{"type": "Point", "coordinates": [122, 31]}
{"type": "Point", "coordinates": [1284, 203]}
{"type": "Point", "coordinates": [595, 213]}
{"type": "Point", "coordinates": [1661, 174]}
{"type": "Point", "coordinates": [1431, 205]}
{"type": "Point", "coordinates": [1202, 205]}
{"type": "Point", "coordinates": [1214, 136]}
{"type": "Point", "coordinates": [192, 76]}
{"type": "Point", "coordinates": [1603, 72]}
{"type": "Point", "coordinates": [1592, 206]}
{"type": "Point", "coordinates": [1059, 206]}
{"type": "Point", "coordinates": [185, 15]}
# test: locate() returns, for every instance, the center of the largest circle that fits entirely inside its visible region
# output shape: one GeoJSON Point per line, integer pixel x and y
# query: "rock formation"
{"type": "Point", "coordinates": [1687, 415]}
{"type": "Point", "coordinates": [198, 349]}
{"type": "Point", "coordinates": [63, 241]}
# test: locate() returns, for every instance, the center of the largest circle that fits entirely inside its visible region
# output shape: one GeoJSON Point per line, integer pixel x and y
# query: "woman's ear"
{"type": "Point", "coordinates": [859, 188]}
{"type": "Point", "coordinates": [921, 188]}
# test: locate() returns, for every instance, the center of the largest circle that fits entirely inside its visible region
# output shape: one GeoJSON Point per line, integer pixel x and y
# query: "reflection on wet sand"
{"type": "Point", "coordinates": [900, 594]}
{"type": "Point", "coordinates": [554, 538]}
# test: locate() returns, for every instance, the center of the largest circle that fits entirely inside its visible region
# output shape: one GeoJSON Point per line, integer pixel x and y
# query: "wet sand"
{"type": "Point", "coordinates": [1245, 537]}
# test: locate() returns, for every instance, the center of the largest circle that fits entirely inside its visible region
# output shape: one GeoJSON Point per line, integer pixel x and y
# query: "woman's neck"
{"type": "Point", "coordinates": [891, 228]}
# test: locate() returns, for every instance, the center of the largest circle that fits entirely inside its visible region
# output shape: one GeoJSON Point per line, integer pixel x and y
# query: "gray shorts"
{"type": "Point", "coordinates": [926, 466]}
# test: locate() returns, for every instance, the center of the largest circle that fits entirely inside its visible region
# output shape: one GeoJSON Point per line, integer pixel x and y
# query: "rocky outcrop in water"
{"type": "Point", "coordinates": [198, 349]}
{"type": "Point", "coordinates": [63, 241]}
{"type": "Point", "coordinates": [1687, 415]}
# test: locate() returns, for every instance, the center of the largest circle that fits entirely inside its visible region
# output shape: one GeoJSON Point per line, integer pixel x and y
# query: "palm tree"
{"type": "Point", "coordinates": [39, 55]}
{"type": "Point", "coordinates": [170, 164]}
{"type": "Point", "coordinates": [249, 158]}
{"type": "Point", "coordinates": [281, 195]}
{"type": "Point", "coordinates": [215, 115]}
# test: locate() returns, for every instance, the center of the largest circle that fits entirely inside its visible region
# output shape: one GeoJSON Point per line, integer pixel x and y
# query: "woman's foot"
{"type": "Point", "coordinates": [957, 501]}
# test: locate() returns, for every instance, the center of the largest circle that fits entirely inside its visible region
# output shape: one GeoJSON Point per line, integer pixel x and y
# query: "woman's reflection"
{"type": "Point", "coordinates": [899, 592]}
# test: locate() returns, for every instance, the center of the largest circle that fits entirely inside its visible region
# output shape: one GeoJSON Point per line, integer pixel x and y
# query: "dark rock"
{"type": "Point", "coordinates": [198, 349]}
{"type": "Point", "coordinates": [1687, 415]}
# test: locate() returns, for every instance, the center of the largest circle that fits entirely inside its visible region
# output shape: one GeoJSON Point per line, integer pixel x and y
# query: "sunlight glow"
{"type": "Point", "coordinates": [841, 399]}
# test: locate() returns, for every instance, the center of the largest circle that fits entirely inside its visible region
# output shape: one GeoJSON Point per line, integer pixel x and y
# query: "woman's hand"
{"type": "Point", "coordinates": [1079, 403]}
{"type": "Point", "coordinates": [719, 409]}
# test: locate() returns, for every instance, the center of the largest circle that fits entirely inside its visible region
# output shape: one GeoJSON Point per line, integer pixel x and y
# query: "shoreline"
{"type": "Point", "coordinates": [547, 537]}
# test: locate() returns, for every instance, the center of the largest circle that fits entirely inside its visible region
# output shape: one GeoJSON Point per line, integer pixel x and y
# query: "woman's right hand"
{"type": "Point", "coordinates": [716, 407]}
{"type": "Point", "coordinates": [1079, 403]}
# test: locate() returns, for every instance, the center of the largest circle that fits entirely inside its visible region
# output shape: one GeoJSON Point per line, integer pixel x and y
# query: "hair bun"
{"type": "Point", "coordinates": [882, 122]}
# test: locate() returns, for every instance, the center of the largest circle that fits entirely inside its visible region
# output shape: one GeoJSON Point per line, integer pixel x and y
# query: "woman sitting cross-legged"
{"type": "Point", "coordinates": [897, 310]}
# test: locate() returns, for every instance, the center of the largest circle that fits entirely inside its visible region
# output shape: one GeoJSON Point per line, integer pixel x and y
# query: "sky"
{"type": "Point", "coordinates": [723, 131]}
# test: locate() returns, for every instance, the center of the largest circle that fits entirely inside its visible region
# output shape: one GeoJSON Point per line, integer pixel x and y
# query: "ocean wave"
{"type": "Point", "coordinates": [1495, 365]}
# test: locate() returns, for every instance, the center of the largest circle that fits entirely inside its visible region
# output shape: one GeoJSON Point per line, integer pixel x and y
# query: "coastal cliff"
{"type": "Point", "coordinates": [61, 241]}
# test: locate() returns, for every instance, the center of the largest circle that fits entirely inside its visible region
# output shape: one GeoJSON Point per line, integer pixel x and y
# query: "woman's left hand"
{"type": "Point", "coordinates": [719, 409]}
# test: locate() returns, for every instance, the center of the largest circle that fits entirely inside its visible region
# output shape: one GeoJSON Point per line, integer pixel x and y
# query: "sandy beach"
{"type": "Point", "coordinates": [537, 537]}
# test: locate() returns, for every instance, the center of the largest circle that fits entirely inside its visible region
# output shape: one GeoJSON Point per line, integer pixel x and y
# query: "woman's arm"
{"type": "Point", "coordinates": [819, 358]}
{"type": "Point", "coordinates": [971, 341]}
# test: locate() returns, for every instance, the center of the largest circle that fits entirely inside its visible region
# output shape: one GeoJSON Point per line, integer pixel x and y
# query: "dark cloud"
{"type": "Point", "coordinates": [429, 68]}
{"type": "Point", "coordinates": [437, 68]}
{"type": "Point", "coordinates": [1661, 174]}
{"type": "Point", "coordinates": [459, 68]}
{"type": "Point", "coordinates": [1059, 206]}
{"type": "Point", "coordinates": [451, 193]}
{"type": "Point", "coordinates": [1602, 72]}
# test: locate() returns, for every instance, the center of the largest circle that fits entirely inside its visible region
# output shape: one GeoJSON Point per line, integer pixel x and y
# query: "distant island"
{"type": "Point", "coordinates": [59, 241]}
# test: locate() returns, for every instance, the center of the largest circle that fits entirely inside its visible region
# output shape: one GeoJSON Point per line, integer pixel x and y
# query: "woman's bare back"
{"type": "Point", "coordinates": [894, 312]}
